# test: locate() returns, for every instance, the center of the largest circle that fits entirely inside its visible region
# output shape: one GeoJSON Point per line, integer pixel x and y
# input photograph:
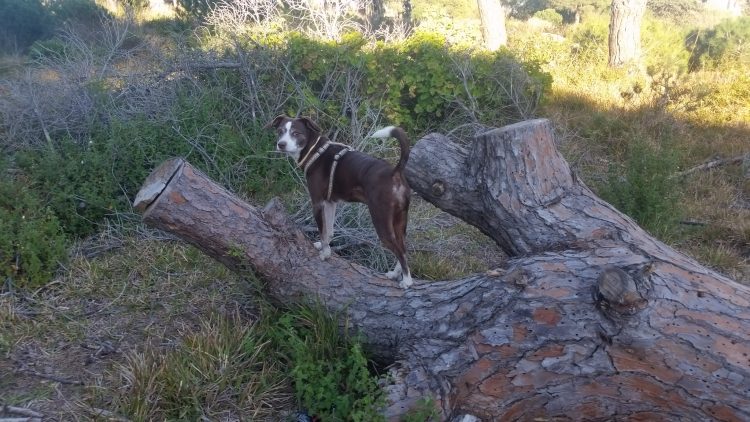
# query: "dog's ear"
{"type": "Point", "coordinates": [275, 122]}
{"type": "Point", "coordinates": [310, 125]}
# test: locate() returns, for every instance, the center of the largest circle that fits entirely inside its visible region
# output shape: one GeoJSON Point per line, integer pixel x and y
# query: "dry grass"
{"type": "Point", "coordinates": [702, 116]}
{"type": "Point", "coordinates": [148, 302]}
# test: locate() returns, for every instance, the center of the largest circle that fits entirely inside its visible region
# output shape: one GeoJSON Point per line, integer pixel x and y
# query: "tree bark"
{"type": "Point", "coordinates": [591, 318]}
{"type": "Point", "coordinates": [492, 16]}
{"type": "Point", "coordinates": [625, 31]}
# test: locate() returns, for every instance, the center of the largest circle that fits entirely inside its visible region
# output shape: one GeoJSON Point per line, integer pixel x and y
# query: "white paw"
{"type": "Point", "coordinates": [396, 273]}
{"type": "Point", "coordinates": [406, 282]}
{"type": "Point", "coordinates": [318, 245]}
{"type": "Point", "coordinates": [325, 253]}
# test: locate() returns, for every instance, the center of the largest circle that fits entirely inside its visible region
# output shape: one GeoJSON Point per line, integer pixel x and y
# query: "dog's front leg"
{"type": "Point", "coordinates": [325, 214]}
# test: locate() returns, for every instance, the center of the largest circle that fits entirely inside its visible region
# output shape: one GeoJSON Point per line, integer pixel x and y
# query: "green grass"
{"type": "Point", "coordinates": [223, 369]}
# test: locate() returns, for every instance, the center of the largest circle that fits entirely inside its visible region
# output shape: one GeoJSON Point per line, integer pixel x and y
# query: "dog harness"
{"type": "Point", "coordinates": [306, 165]}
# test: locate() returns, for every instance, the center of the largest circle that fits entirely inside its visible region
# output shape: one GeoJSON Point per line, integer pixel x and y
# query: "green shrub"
{"type": "Point", "coordinates": [32, 243]}
{"type": "Point", "coordinates": [85, 182]}
{"type": "Point", "coordinates": [329, 370]}
{"type": "Point", "coordinates": [84, 12]}
{"type": "Point", "coordinates": [660, 42]}
{"type": "Point", "coordinates": [415, 81]}
{"type": "Point", "coordinates": [590, 39]}
{"type": "Point", "coordinates": [76, 183]}
{"type": "Point", "coordinates": [726, 44]}
{"type": "Point", "coordinates": [644, 189]}
{"type": "Point", "coordinates": [21, 23]}
{"type": "Point", "coordinates": [549, 15]}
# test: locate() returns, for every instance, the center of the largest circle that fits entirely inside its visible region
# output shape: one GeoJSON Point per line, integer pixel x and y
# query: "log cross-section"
{"type": "Point", "coordinates": [591, 318]}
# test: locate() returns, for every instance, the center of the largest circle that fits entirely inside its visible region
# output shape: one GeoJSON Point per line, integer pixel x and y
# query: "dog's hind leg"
{"type": "Point", "coordinates": [325, 215]}
{"type": "Point", "coordinates": [383, 223]}
{"type": "Point", "coordinates": [400, 218]}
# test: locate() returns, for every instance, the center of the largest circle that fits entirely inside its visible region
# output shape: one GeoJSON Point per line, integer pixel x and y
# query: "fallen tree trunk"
{"type": "Point", "coordinates": [591, 318]}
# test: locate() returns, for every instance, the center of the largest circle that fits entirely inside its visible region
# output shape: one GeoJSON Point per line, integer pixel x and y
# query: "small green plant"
{"type": "Point", "coordinates": [727, 44]}
{"type": "Point", "coordinates": [32, 243]}
{"type": "Point", "coordinates": [644, 189]}
{"type": "Point", "coordinates": [424, 411]}
{"type": "Point", "coordinates": [329, 369]}
{"type": "Point", "coordinates": [550, 15]}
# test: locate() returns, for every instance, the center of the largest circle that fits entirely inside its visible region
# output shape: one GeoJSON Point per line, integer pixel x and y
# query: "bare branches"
{"type": "Point", "coordinates": [329, 19]}
{"type": "Point", "coordinates": [233, 16]}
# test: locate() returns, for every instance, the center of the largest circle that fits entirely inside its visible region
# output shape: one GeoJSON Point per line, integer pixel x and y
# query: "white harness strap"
{"type": "Point", "coordinates": [336, 159]}
{"type": "Point", "coordinates": [317, 155]}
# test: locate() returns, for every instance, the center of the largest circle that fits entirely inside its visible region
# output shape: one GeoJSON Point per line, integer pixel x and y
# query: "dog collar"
{"type": "Point", "coordinates": [301, 162]}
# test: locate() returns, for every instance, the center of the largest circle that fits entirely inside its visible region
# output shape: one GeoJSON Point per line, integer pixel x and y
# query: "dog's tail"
{"type": "Point", "coordinates": [403, 140]}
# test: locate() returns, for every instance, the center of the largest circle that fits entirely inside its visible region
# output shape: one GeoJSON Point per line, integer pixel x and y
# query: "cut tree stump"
{"type": "Point", "coordinates": [591, 318]}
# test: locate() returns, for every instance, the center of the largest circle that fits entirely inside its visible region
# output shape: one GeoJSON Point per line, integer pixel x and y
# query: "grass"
{"type": "Point", "coordinates": [625, 132]}
{"type": "Point", "coordinates": [158, 331]}
{"type": "Point", "coordinates": [143, 297]}
{"type": "Point", "coordinates": [224, 370]}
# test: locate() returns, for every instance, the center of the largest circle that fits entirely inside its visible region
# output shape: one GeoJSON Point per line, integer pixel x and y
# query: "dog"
{"type": "Point", "coordinates": [334, 172]}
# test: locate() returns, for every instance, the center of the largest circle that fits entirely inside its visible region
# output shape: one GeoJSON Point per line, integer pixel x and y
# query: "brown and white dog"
{"type": "Point", "coordinates": [335, 173]}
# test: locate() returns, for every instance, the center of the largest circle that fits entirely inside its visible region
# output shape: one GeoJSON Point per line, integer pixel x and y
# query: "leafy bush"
{"type": "Point", "coordinates": [32, 243]}
{"type": "Point", "coordinates": [84, 12]}
{"type": "Point", "coordinates": [644, 189]}
{"type": "Point", "coordinates": [84, 183]}
{"type": "Point", "coordinates": [21, 23]}
{"type": "Point", "coordinates": [727, 44]}
{"type": "Point", "coordinates": [417, 82]}
{"type": "Point", "coordinates": [329, 370]}
{"type": "Point", "coordinates": [590, 40]}
{"type": "Point", "coordinates": [660, 43]}
{"type": "Point", "coordinates": [549, 15]}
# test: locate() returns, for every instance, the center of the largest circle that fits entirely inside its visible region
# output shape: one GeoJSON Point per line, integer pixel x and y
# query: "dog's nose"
{"type": "Point", "coordinates": [281, 145]}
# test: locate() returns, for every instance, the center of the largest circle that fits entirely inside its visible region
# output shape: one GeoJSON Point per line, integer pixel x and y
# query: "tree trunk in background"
{"type": "Point", "coordinates": [492, 15]}
{"type": "Point", "coordinates": [591, 318]}
{"type": "Point", "coordinates": [625, 31]}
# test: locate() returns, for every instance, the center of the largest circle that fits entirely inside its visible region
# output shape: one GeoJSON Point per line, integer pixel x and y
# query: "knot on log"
{"type": "Point", "coordinates": [438, 188]}
{"type": "Point", "coordinates": [616, 291]}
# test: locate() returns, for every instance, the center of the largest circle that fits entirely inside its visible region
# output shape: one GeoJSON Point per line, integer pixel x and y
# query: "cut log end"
{"type": "Point", "coordinates": [156, 182]}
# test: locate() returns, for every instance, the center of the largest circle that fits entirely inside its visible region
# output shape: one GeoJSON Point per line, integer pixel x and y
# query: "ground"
{"type": "Point", "coordinates": [62, 345]}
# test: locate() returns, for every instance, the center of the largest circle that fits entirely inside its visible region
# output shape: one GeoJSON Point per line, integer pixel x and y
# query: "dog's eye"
{"type": "Point", "coordinates": [296, 134]}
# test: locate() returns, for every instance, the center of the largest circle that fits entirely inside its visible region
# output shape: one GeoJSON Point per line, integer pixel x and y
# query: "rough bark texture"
{"type": "Point", "coordinates": [492, 15]}
{"type": "Point", "coordinates": [625, 31]}
{"type": "Point", "coordinates": [591, 319]}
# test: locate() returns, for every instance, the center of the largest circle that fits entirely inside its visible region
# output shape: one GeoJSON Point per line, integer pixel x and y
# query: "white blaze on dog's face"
{"type": "Point", "coordinates": [294, 134]}
{"type": "Point", "coordinates": [289, 140]}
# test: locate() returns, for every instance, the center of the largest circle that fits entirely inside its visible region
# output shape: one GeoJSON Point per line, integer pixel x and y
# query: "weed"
{"type": "Point", "coordinates": [424, 411]}
{"type": "Point", "coordinates": [329, 369]}
{"type": "Point", "coordinates": [32, 243]}
{"type": "Point", "coordinates": [644, 189]}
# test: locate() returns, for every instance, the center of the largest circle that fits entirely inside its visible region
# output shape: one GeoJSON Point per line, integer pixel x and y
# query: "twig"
{"type": "Point", "coordinates": [692, 223]}
{"type": "Point", "coordinates": [23, 411]}
{"type": "Point", "coordinates": [107, 414]}
{"type": "Point", "coordinates": [709, 165]}
{"type": "Point", "coordinates": [52, 377]}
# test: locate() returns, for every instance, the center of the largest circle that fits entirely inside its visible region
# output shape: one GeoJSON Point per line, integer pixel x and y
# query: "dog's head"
{"type": "Point", "coordinates": [294, 134]}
